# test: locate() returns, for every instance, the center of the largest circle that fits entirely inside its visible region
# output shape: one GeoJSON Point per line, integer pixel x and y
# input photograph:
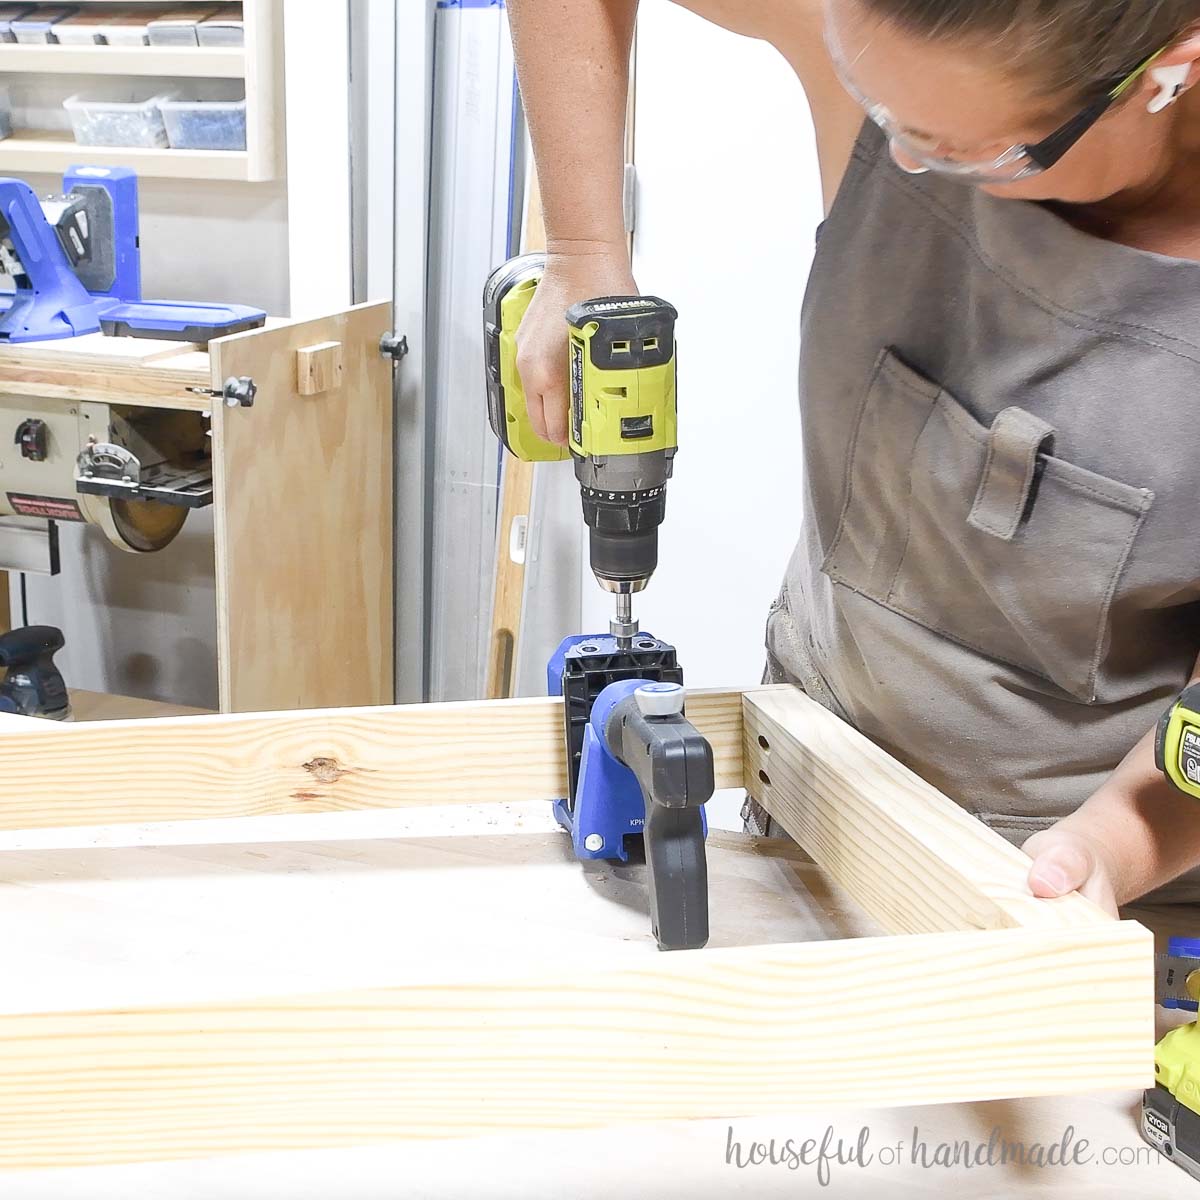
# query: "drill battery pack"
{"type": "Point", "coordinates": [1172, 1128]}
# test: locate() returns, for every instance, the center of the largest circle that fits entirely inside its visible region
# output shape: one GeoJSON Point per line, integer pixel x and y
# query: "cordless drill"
{"type": "Point", "coordinates": [1171, 1108]}
{"type": "Point", "coordinates": [622, 428]}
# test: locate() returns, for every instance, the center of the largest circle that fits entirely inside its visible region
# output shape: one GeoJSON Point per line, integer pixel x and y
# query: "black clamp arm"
{"type": "Point", "coordinates": [673, 764]}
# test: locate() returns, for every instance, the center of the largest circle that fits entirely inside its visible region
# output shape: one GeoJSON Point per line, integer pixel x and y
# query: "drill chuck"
{"type": "Point", "coordinates": [623, 536]}
{"type": "Point", "coordinates": [623, 563]}
{"type": "Point", "coordinates": [624, 502]}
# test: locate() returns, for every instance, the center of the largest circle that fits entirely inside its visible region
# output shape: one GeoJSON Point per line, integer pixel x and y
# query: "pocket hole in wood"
{"type": "Point", "coordinates": [765, 778]}
{"type": "Point", "coordinates": [762, 741]}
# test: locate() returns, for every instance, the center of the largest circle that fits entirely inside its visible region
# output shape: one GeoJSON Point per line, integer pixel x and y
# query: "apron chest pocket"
{"type": "Point", "coordinates": [982, 535]}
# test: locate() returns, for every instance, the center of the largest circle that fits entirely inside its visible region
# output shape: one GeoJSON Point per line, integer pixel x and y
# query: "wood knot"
{"type": "Point", "coordinates": [325, 770]}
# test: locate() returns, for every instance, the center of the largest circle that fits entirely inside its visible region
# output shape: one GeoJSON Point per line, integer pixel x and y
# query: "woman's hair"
{"type": "Point", "coordinates": [1064, 45]}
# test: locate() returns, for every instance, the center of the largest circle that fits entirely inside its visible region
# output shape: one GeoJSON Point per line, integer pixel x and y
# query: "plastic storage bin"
{"type": "Point", "coordinates": [8, 14]}
{"type": "Point", "coordinates": [132, 27]}
{"type": "Point", "coordinates": [94, 24]}
{"type": "Point", "coordinates": [101, 121]}
{"type": "Point", "coordinates": [224, 28]}
{"type": "Point", "coordinates": [180, 26]}
{"type": "Point", "coordinates": [205, 124]}
{"type": "Point", "coordinates": [38, 27]}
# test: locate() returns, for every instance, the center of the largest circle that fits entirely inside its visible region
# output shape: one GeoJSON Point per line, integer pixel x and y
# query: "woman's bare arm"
{"type": "Point", "coordinates": [573, 66]}
{"type": "Point", "coordinates": [1134, 833]}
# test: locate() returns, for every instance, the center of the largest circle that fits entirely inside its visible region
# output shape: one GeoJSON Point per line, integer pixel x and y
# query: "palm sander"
{"type": "Point", "coordinates": [622, 426]}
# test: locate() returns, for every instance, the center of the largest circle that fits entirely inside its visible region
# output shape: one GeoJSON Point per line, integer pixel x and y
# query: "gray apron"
{"type": "Point", "coordinates": [998, 577]}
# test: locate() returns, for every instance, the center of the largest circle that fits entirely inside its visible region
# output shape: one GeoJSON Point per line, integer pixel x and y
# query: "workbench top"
{"type": "Point", "coordinates": [226, 909]}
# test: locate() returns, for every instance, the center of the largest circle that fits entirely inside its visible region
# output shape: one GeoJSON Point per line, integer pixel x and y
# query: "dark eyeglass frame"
{"type": "Point", "coordinates": [1050, 149]}
{"type": "Point", "coordinates": [1019, 161]}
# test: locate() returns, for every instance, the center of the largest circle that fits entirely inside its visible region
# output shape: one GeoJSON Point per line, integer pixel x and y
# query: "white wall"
{"type": "Point", "coordinates": [317, 87]}
{"type": "Point", "coordinates": [728, 203]}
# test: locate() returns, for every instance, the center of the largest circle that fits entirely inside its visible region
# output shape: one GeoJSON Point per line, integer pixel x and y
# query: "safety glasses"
{"type": "Point", "coordinates": [1004, 165]}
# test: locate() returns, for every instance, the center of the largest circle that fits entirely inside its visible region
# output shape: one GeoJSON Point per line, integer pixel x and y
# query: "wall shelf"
{"type": "Point", "coordinates": [259, 64]}
{"type": "Point", "coordinates": [199, 62]}
{"type": "Point", "coordinates": [54, 153]}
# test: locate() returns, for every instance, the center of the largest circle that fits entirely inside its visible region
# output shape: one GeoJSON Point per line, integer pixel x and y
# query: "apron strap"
{"type": "Point", "coordinates": [1014, 442]}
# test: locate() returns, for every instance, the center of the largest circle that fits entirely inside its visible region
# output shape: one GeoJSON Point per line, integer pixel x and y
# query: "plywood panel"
{"type": "Point", "coordinates": [145, 371]}
{"type": "Point", "coordinates": [303, 489]}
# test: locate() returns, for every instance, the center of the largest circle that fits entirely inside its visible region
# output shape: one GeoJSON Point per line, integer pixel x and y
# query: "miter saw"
{"type": "Point", "coordinates": [74, 262]}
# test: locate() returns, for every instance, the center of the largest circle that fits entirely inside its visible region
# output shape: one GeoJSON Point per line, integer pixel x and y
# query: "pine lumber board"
{"type": "Point", "coordinates": [479, 1022]}
{"type": "Point", "coordinates": [319, 368]}
{"type": "Point", "coordinates": [238, 921]}
{"type": "Point", "coordinates": [516, 496]}
{"type": "Point", "coordinates": [692, 1035]}
{"type": "Point", "coordinates": [911, 856]}
{"type": "Point", "coordinates": [235, 765]}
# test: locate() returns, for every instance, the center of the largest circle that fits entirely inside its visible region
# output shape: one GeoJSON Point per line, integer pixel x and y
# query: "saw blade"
{"type": "Point", "coordinates": [147, 525]}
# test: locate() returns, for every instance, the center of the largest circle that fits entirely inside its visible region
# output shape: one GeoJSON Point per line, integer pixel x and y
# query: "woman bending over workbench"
{"type": "Point", "coordinates": [998, 574]}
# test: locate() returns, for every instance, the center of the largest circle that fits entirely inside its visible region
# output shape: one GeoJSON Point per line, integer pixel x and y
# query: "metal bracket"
{"type": "Point", "coordinates": [29, 545]}
{"type": "Point", "coordinates": [113, 464]}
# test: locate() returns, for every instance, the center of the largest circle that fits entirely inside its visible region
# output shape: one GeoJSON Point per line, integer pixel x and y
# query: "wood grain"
{"type": "Point", "coordinates": [508, 598]}
{"type": "Point", "coordinates": [144, 371]}
{"type": "Point", "coordinates": [911, 856]}
{"type": "Point", "coordinates": [104, 706]}
{"type": "Point", "coordinates": [701, 1034]}
{"type": "Point", "coordinates": [303, 517]}
{"type": "Point", "coordinates": [475, 1030]}
{"type": "Point", "coordinates": [319, 368]}
{"type": "Point", "coordinates": [190, 768]}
